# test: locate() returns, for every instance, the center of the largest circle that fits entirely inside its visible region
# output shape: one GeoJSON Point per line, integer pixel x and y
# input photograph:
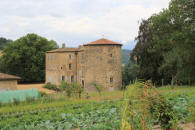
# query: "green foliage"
{"type": "Point", "coordinates": [87, 114]}
{"type": "Point", "coordinates": [129, 73]}
{"type": "Point", "coordinates": [100, 115]}
{"type": "Point", "coordinates": [16, 101]}
{"type": "Point", "coordinates": [165, 45]}
{"type": "Point", "coordinates": [25, 57]}
{"type": "Point", "coordinates": [71, 88]}
{"type": "Point", "coordinates": [1, 104]}
{"type": "Point", "coordinates": [77, 89]}
{"type": "Point", "coordinates": [4, 42]}
{"type": "Point", "coordinates": [98, 87]}
{"type": "Point", "coordinates": [125, 56]}
{"type": "Point", "coordinates": [64, 86]}
{"type": "Point", "coordinates": [43, 94]}
{"type": "Point", "coordinates": [163, 111]}
{"type": "Point", "coordinates": [51, 87]}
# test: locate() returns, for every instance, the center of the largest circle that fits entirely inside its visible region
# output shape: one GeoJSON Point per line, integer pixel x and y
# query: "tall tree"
{"type": "Point", "coordinates": [25, 57]}
{"type": "Point", "coordinates": [166, 45]}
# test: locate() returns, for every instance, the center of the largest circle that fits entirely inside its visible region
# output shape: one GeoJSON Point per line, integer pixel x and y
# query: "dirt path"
{"type": "Point", "coordinates": [30, 86]}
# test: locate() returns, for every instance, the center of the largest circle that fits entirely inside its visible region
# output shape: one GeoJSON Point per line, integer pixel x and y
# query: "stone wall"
{"type": "Point", "coordinates": [101, 63]}
{"type": "Point", "coordinates": [8, 85]}
{"type": "Point", "coordinates": [57, 67]}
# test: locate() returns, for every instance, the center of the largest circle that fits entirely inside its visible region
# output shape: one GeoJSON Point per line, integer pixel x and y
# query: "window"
{"type": "Point", "coordinates": [70, 56]}
{"type": "Point", "coordinates": [111, 79]}
{"type": "Point", "coordinates": [83, 83]}
{"type": "Point", "coordinates": [63, 78]}
{"type": "Point", "coordinates": [72, 78]}
{"type": "Point", "coordinates": [110, 55]}
{"type": "Point", "coordinates": [70, 66]}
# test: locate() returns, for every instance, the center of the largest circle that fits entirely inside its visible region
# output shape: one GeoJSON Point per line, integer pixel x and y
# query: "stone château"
{"type": "Point", "coordinates": [96, 62]}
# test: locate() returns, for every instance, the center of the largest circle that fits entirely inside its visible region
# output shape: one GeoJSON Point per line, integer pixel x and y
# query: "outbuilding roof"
{"type": "Point", "coordinates": [103, 41]}
{"type": "Point", "coordinates": [8, 77]}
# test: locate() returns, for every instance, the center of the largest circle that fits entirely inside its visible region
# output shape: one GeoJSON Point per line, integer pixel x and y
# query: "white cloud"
{"type": "Point", "coordinates": [76, 21]}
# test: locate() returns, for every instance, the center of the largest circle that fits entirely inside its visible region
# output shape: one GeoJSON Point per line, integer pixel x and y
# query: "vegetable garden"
{"type": "Point", "coordinates": [122, 113]}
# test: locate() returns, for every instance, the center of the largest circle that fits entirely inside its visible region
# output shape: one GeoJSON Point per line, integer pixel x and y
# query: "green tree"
{"type": "Point", "coordinates": [3, 42]}
{"type": "Point", "coordinates": [165, 44]}
{"type": "Point", "coordinates": [129, 73]}
{"type": "Point", "coordinates": [25, 57]}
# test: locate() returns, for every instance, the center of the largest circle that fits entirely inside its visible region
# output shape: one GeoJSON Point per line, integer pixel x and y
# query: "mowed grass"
{"type": "Point", "coordinates": [60, 99]}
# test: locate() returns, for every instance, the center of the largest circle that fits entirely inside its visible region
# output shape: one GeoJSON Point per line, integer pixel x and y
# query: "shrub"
{"type": "Point", "coordinates": [1, 104]}
{"type": "Point", "coordinates": [64, 86]}
{"type": "Point", "coordinates": [43, 94]}
{"type": "Point", "coordinates": [98, 87]}
{"type": "Point", "coordinates": [163, 111]}
{"type": "Point", "coordinates": [77, 88]}
{"type": "Point", "coordinates": [30, 99]}
{"type": "Point", "coordinates": [16, 101]}
{"type": "Point", "coordinates": [51, 87]}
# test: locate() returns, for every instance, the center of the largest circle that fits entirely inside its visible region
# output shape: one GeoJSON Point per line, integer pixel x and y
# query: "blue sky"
{"type": "Point", "coordinates": [76, 22]}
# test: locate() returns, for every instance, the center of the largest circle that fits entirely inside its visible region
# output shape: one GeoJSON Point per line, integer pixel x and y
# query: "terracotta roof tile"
{"type": "Point", "coordinates": [103, 41]}
{"type": "Point", "coordinates": [8, 77]}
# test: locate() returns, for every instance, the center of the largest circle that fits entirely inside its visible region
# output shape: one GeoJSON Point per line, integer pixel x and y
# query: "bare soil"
{"type": "Point", "coordinates": [30, 86]}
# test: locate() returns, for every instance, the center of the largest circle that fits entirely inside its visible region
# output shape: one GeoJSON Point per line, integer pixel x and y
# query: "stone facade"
{"type": "Point", "coordinates": [8, 85]}
{"type": "Point", "coordinates": [96, 62]}
{"type": "Point", "coordinates": [8, 82]}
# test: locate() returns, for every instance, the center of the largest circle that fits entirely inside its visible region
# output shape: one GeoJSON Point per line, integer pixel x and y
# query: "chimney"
{"type": "Point", "coordinates": [63, 45]}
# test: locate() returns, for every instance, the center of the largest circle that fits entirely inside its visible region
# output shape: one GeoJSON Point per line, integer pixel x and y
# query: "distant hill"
{"type": "Point", "coordinates": [125, 56]}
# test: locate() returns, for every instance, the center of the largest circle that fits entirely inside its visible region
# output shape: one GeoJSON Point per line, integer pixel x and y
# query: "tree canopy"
{"type": "Point", "coordinates": [3, 42]}
{"type": "Point", "coordinates": [165, 46]}
{"type": "Point", "coordinates": [25, 57]}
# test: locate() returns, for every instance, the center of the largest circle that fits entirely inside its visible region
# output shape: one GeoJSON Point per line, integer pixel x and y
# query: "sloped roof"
{"type": "Point", "coordinates": [8, 77]}
{"type": "Point", "coordinates": [65, 50]}
{"type": "Point", "coordinates": [103, 41]}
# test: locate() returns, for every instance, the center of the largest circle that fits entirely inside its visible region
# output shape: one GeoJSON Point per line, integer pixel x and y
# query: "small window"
{"type": "Point", "coordinates": [111, 79]}
{"type": "Point", "coordinates": [70, 56]}
{"type": "Point", "coordinates": [61, 68]}
{"type": "Point", "coordinates": [83, 83]}
{"type": "Point", "coordinates": [63, 78]}
{"type": "Point", "coordinates": [72, 78]}
{"type": "Point", "coordinates": [70, 66]}
{"type": "Point", "coordinates": [110, 55]}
